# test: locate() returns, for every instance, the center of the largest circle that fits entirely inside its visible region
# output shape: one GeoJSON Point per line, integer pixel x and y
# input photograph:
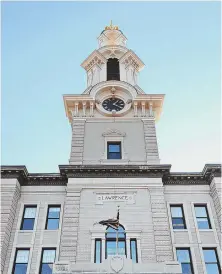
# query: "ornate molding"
{"type": "Point", "coordinates": [21, 174]}
{"type": "Point", "coordinates": [113, 133]}
{"type": "Point", "coordinates": [95, 58]}
{"type": "Point", "coordinates": [130, 58]}
{"type": "Point", "coordinates": [113, 171]}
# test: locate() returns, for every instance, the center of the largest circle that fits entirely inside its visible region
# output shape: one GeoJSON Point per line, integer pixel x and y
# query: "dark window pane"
{"type": "Point", "coordinates": [176, 211]}
{"type": "Point", "coordinates": [200, 211]}
{"type": "Point", "coordinates": [186, 269]}
{"type": "Point", "coordinates": [54, 212]}
{"type": "Point", "coordinates": [209, 256]}
{"type": "Point", "coordinates": [203, 223]}
{"type": "Point", "coordinates": [113, 69]}
{"type": "Point", "coordinates": [53, 224]}
{"type": "Point", "coordinates": [46, 269]}
{"type": "Point", "coordinates": [183, 255]}
{"type": "Point", "coordinates": [20, 269]}
{"type": "Point", "coordinates": [178, 223]}
{"type": "Point", "coordinates": [114, 155]}
{"type": "Point", "coordinates": [114, 148]}
{"type": "Point", "coordinates": [28, 224]}
{"type": "Point", "coordinates": [212, 269]}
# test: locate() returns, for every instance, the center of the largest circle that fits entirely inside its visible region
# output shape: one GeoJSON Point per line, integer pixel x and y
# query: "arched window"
{"type": "Point", "coordinates": [113, 69]}
{"type": "Point", "coordinates": [111, 241]}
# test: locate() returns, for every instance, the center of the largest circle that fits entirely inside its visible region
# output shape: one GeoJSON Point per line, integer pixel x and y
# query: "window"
{"type": "Point", "coordinates": [211, 261]}
{"type": "Point", "coordinates": [21, 261]}
{"type": "Point", "coordinates": [203, 220]}
{"type": "Point", "coordinates": [98, 251]}
{"type": "Point", "coordinates": [111, 243]}
{"type": "Point", "coordinates": [178, 220]}
{"type": "Point", "coordinates": [133, 250]}
{"type": "Point", "coordinates": [28, 219]}
{"type": "Point", "coordinates": [114, 150]}
{"type": "Point", "coordinates": [47, 260]}
{"type": "Point", "coordinates": [113, 69]}
{"type": "Point", "coordinates": [53, 215]}
{"type": "Point", "coordinates": [184, 257]}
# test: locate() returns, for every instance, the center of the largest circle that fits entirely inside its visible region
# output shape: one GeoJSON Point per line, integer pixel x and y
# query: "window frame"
{"type": "Point", "coordinates": [217, 258]}
{"type": "Point", "coordinates": [113, 143]}
{"type": "Point", "coordinates": [15, 257]}
{"type": "Point", "coordinates": [47, 216]}
{"type": "Point", "coordinates": [183, 216]}
{"type": "Point", "coordinates": [131, 240]}
{"type": "Point", "coordinates": [100, 241]}
{"type": "Point", "coordinates": [208, 216]}
{"type": "Point", "coordinates": [41, 263]}
{"type": "Point", "coordinates": [190, 256]}
{"type": "Point", "coordinates": [23, 217]}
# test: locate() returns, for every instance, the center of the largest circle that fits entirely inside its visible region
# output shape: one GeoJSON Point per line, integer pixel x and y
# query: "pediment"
{"type": "Point", "coordinates": [114, 133]}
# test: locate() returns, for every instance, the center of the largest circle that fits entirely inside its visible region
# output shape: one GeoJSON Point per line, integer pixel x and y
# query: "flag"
{"type": "Point", "coordinates": [113, 223]}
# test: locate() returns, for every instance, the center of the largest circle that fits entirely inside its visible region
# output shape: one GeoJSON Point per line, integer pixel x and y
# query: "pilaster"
{"type": "Point", "coordinates": [10, 195]}
{"type": "Point", "coordinates": [151, 145]}
{"type": "Point", "coordinates": [215, 192]}
{"type": "Point", "coordinates": [69, 235]}
{"type": "Point", "coordinates": [162, 236]}
{"type": "Point", "coordinates": [77, 146]}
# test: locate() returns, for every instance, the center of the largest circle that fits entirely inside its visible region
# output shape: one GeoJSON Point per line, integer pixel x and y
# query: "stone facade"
{"type": "Point", "coordinates": [92, 186]}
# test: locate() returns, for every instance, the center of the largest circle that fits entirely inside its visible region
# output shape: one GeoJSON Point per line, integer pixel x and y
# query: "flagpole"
{"type": "Point", "coordinates": [117, 234]}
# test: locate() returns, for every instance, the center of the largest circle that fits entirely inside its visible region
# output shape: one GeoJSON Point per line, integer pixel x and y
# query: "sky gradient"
{"type": "Point", "coordinates": [44, 43]}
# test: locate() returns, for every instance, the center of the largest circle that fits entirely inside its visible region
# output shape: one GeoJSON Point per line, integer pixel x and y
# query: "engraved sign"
{"type": "Point", "coordinates": [128, 198]}
{"type": "Point", "coordinates": [60, 268]}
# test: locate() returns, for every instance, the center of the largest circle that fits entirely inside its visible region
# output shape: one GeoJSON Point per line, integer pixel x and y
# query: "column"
{"type": "Point", "coordinates": [135, 109]}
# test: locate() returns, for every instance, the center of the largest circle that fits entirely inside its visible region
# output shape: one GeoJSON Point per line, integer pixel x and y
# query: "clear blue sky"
{"type": "Point", "coordinates": [44, 43]}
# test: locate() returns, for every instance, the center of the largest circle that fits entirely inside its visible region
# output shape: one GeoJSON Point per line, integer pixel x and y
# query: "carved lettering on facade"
{"type": "Point", "coordinates": [128, 198]}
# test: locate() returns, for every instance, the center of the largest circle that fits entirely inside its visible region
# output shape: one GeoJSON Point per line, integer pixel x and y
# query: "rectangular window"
{"type": "Point", "coordinates": [21, 261]}
{"type": "Point", "coordinates": [133, 250]}
{"type": "Point", "coordinates": [28, 219]}
{"type": "Point", "coordinates": [47, 260]}
{"type": "Point", "coordinates": [211, 261]}
{"type": "Point", "coordinates": [177, 214]}
{"type": "Point", "coordinates": [203, 220]}
{"type": "Point", "coordinates": [98, 251]}
{"type": "Point", "coordinates": [114, 150]}
{"type": "Point", "coordinates": [184, 258]}
{"type": "Point", "coordinates": [53, 216]}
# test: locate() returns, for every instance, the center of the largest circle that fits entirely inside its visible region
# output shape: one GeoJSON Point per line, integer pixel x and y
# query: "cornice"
{"type": "Point", "coordinates": [112, 171]}
{"type": "Point", "coordinates": [21, 174]}
{"type": "Point", "coordinates": [194, 178]}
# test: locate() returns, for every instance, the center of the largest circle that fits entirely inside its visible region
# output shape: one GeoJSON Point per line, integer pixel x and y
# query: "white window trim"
{"type": "Point", "coordinates": [211, 219]}
{"type": "Point", "coordinates": [193, 257]}
{"type": "Point", "coordinates": [99, 233]}
{"type": "Point", "coordinates": [114, 135]}
{"type": "Point", "coordinates": [12, 260]}
{"type": "Point", "coordinates": [202, 255]}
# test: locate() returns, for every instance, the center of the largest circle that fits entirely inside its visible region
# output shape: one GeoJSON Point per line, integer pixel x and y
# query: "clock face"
{"type": "Point", "coordinates": [113, 104]}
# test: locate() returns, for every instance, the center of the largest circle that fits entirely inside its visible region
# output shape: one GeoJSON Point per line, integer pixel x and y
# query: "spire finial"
{"type": "Point", "coordinates": [111, 27]}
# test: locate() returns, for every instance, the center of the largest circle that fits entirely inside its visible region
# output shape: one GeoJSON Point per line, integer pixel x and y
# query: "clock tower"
{"type": "Point", "coordinates": [113, 120]}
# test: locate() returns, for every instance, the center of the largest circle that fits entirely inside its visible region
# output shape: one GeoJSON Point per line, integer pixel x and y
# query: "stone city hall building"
{"type": "Point", "coordinates": [168, 222]}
